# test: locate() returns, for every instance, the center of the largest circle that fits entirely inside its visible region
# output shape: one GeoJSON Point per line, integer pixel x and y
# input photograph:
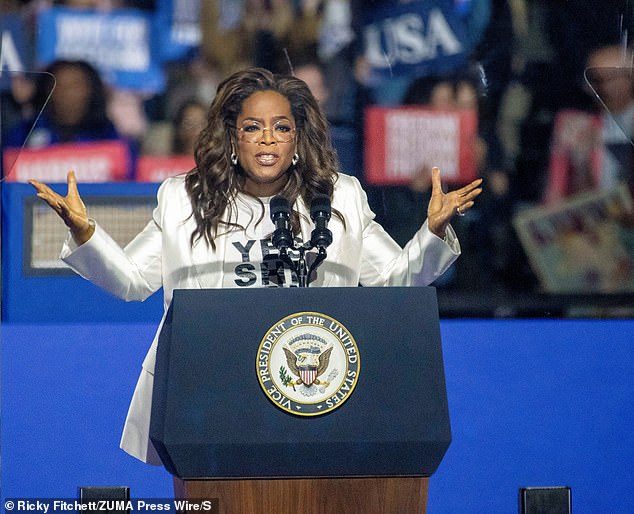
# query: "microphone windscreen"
{"type": "Point", "coordinates": [320, 204]}
{"type": "Point", "coordinates": [279, 205]}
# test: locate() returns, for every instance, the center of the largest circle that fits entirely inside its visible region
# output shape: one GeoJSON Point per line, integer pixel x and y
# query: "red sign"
{"type": "Point", "coordinates": [104, 161]}
{"type": "Point", "coordinates": [151, 168]}
{"type": "Point", "coordinates": [401, 141]}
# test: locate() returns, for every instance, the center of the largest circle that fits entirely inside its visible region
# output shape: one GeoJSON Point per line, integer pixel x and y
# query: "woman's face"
{"type": "Point", "coordinates": [266, 142]}
{"type": "Point", "coordinates": [610, 74]}
{"type": "Point", "coordinates": [71, 97]}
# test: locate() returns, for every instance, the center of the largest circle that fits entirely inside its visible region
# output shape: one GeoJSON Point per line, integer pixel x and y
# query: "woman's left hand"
{"type": "Point", "coordinates": [444, 206]}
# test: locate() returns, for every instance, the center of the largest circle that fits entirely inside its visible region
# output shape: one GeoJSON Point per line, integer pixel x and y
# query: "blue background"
{"type": "Point", "coordinates": [532, 403]}
{"type": "Point", "coordinates": [62, 298]}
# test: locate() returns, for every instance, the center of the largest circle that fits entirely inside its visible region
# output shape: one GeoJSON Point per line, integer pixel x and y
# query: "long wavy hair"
{"type": "Point", "coordinates": [213, 184]}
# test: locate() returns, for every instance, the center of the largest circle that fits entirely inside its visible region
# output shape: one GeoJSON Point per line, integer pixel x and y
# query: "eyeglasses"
{"type": "Point", "coordinates": [253, 132]}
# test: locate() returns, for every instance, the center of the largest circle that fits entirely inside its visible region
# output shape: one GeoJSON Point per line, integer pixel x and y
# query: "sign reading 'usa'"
{"type": "Point", "coordinates": [418, 37]}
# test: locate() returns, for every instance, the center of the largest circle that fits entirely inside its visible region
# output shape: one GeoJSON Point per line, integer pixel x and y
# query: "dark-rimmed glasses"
{"type": "Point", "coordinates": [253, 132]}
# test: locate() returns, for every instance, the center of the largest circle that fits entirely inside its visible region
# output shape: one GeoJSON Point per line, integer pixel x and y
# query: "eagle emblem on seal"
{"type": "Point", "coordinates": [307, 364]}
{"type": "Point", "coordinates": [307, 357]}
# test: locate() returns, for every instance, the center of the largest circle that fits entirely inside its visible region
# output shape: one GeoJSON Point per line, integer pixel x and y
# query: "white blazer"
{"type": "Point", "coordinates": [162, 256]}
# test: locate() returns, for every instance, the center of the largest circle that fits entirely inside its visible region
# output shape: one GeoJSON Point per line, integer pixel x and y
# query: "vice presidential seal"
{"type": "Point", "coordinates": [308, 364]}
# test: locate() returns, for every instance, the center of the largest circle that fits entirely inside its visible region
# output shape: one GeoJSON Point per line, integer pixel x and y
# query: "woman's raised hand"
{"type": "Point", "coordinates": [70, 208]}
{"type": "Point", "coordinates": [444, 206]}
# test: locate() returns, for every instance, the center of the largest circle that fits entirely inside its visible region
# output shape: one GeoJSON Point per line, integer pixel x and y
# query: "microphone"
{"type": "Point", "coordinates": [282, 237]}
{"type": "Point", "coordinates": [320, 212]}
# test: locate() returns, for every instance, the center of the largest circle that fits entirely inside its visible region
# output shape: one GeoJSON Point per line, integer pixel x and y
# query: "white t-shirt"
{"type": "Point", "coordinates": [251, 260]}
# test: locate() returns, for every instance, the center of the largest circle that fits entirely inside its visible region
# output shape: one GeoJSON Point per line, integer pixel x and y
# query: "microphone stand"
{"type": "Point", "coordinates": [286, 258]}
{"type": "Point", "coordinates": [302, 270]}
{"type": "Point", "coordinates": [300, 267]}
{"type": "Point", "coordinates": [283, 240]}
{"type": "Point", "coordinates": [321, 257]}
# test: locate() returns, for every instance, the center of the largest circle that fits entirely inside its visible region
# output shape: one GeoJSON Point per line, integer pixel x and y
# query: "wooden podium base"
{"type": "Point", "coordinates": [373, 495]}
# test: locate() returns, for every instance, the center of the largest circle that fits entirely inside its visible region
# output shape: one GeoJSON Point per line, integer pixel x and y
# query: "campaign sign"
{"type": "Point", "coordinates": [400, 142]}
{"type": "Point", "coordinates": [106, 161]}
{"type": "Point", "coordinates": [179, 23]}
{"type": "Point", "coordinates": [14, 55]}
{"type": "Point", "coordinates": [119, 43]}
{"type": "Point", "coordinates": [418, 37]}
{"type": "Point", "coordinates": [583, 244]}
{"type": "Point", "coordinates": [156, 168]}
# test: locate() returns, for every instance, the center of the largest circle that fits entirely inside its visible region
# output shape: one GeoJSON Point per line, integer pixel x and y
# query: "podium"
{"type": "Point", "coordinates": [228, 435]}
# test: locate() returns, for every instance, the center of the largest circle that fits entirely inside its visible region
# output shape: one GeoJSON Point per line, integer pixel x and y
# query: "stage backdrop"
{"type": "Point", "coordinates": [532, 403]}
{"type": "Point", "coordinates": [37, 287]}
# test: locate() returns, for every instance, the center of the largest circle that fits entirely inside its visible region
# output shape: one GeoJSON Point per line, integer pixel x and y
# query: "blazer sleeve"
{"type": "Point", "coordinates": [133, 273]}
{"type": "Point", "coordinates": [384, 263]}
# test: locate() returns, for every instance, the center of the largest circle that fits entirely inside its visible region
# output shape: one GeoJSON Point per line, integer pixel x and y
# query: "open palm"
{"type": "Point", "coordinates": [444, 206]}
{"type": "Point", "coordinates": [70, 208]}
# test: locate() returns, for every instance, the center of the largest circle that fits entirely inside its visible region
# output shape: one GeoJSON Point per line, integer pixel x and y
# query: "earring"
{"type": "Point", "coordinates": [234, 158]}
{"type": "Point", "coordinates": [295, 159]}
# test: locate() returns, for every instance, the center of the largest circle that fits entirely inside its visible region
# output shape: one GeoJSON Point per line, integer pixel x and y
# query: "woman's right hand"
{"type": "Point", "coordinates": [70, 208]}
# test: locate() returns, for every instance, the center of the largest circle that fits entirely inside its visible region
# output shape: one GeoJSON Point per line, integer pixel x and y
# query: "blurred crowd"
{"type": "Point", "coordinates": [548, 80]}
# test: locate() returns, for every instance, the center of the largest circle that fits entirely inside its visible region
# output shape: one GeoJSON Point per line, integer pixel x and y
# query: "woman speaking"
{"type": "Point", "coordinates": [266, 136]}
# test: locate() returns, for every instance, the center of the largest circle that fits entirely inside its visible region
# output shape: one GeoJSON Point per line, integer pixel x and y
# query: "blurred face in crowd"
{"type": "Point", "coordinates": [466, 96]}
{"type": "Point", "coordinates": [442, 96]}
{"type": "Point", "coordinates": [194, 119]}
{"type": "Point", "coordinates": [446, 95]}
{"type": "Point", "coordinates": [314, 78]}
{"type": "Point", "coordinates": [266, 142]}
{"type": "Point", "coordinates": [125, 109]}
{"type": "Point", "coordinates": [71, 97]}
{"type": "Point", "coordinates": [91, 4]}
{"type": "Point", "coordinates": [610, 75]}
